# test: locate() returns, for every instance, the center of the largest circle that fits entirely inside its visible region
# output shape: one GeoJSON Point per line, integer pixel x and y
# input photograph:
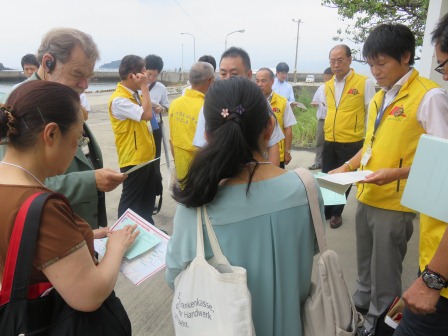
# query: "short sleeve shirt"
{"type": "Point", "coordinates": [60, 233]}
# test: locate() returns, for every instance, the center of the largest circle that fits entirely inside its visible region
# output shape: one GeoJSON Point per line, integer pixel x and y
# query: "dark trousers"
{"type": "Point", "coordinates": [139, 192]}
{"type": "Point", "coordinates": [157, 134]}
{"type": "Point", "coordinates": [333, 156]}
{"type": "Point", "coordinates": [435, 324]}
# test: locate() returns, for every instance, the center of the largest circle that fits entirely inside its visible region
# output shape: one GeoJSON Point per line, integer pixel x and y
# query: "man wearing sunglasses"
{"type": "Point", "coordinates": [426, 299]}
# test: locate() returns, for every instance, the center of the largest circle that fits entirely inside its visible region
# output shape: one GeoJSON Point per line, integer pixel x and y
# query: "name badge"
{"type": "Point", "coordinates": [367, 155]}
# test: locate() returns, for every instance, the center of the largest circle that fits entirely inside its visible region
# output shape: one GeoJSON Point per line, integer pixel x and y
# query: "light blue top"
{"type": "Point", "coordinates": [269, 232]}
{"type": "Point", "coordinates": [284, 89]}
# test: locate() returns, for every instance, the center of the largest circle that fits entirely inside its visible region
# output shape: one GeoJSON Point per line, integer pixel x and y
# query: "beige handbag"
{"type": "Point", "coordinates": [329, 309]}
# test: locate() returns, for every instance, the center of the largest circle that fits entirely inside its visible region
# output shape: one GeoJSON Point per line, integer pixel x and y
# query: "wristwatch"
{"type": "Point", "coordinates": [349, 165]}
{"type": "Point", "coordinates": [433, 279]}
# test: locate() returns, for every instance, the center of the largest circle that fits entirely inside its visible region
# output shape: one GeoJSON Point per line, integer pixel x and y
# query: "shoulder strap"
{"type": "Point", "coordinates": [22, 246]}
{"type": "Point", "coordinates": [219, 260]}
{"type": "Point", "coordinates": [313, 200]}
{"type": "Point", "coordinates": [151, 86]}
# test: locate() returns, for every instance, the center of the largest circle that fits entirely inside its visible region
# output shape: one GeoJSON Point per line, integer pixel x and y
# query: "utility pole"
{"type": "Point", "coordinates": [297, 47]}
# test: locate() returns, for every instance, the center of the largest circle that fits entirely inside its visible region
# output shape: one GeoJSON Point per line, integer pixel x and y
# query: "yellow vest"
{"type": "Point", "coordinates": [134, 142]}
{"type": "Point", "coordinates": [395, 141]}
{"type": "Point", "coordinates": [431, 232]}
{"type": "Point", "coordinates": [183, 118]}
{"type": "Point", "coordinates": [346, 123]}
{"type": "Point", "coordinates": [278, 104]}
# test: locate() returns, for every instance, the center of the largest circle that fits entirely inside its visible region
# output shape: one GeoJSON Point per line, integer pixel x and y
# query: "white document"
{"type": "Point", "coordinates": [133, 169]}
{"type": "Point", "coordinates": [146, 264]}
{"type": "Point", "coordinates": [340, 182]}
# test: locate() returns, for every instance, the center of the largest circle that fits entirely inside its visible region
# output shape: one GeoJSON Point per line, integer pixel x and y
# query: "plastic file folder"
{"type": "Point", "coordinates": [426, 190]}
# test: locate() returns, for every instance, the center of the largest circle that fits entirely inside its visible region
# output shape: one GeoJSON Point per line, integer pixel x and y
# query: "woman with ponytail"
{"type": "Point", "coordinates": [259, 212]}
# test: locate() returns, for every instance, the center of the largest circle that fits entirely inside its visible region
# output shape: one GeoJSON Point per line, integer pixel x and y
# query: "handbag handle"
{"type": "Point", "coordinates": [218, 260]}
{"type": "Point", "coordinates": [309, 182]}
{"type": "Point", "coordinates": [22, 246]}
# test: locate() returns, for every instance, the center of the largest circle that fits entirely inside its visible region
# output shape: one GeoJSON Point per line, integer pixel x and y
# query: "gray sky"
{"type": "Point", "coordinates": [145, 27]}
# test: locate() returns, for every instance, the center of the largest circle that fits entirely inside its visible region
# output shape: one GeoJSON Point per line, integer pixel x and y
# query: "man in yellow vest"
{"type": "Point", "coordinates": [282, 111]}
{"type": "Point", "coordinates": [129, 112]}
{"type": "Point", "coordinates": [347, 95]}
{"type": "Point", "coordinates": [236, 62]}
{"type": "Point", "coordinates": [427, 299]}
{"type": "Point", "coordinates": [183, 116]}
{"type": "Point", "coordinates": [406, 107]}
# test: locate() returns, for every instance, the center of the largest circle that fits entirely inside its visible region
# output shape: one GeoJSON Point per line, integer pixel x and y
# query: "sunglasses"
{"type": "Point", "coordinates": [440, 68]}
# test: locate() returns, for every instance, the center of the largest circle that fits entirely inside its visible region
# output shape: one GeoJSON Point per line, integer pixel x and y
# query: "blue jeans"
{"type": "Point", "coordinates": [435, 324]}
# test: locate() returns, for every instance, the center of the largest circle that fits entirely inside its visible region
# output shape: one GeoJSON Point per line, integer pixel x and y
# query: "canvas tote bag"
{"type": "Point", "coordinates": [211, 297]}
{"type": "Point", "coordinates": [329, 309]}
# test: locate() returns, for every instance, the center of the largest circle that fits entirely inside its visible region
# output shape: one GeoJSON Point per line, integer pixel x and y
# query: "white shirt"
{"type": "Point", "coordinates": [369, 89]}
{"type": "Point", "coordinates": [284, 89]}
{"type": "Point", "coordinates": [124, 108]}
{"type": "Point", "coordinates": [159, 96]}
{"type": "Point", "coordinates": [320, 99]}
{"type": "Point", "coordinates": [199, 136]}
{"type": "Point", "coordinates": [432, 113]}
{"type": "Point", "coordinates": [84, 102]}
{"type": "Point", "coordinates": [289, 118]}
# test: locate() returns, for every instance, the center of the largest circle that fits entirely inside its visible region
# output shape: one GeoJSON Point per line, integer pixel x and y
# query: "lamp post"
{"type": "Point", "coordinates": [236, 31]}
{"type": "Point", "coordinates": [297, 47]}
{"type": "Point", "coordinates": [194, 45]}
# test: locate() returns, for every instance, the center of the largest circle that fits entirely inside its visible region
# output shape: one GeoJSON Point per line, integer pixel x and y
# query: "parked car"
{"type": "Point", "coordinates": [309, 79]}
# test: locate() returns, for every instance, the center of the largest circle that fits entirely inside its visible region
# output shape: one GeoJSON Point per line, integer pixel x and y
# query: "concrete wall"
{"type": "Point", "coordinates": [437, 9]}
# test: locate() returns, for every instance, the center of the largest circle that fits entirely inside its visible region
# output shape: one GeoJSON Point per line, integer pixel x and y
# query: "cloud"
{"type": "Point", "coordinates": [152, 26]}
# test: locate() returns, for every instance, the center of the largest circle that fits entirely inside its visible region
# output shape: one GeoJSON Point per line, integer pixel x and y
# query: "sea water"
{"type": "Point", "coordinates": [6, 87]}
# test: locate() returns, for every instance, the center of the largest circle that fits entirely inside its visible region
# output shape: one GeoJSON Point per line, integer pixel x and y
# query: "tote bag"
{"type": "Point", "coordinates": [329, 309]}
{"type": "Point", "coordinates": [24, 311]}
{"type": "Point", "coordinates": [211, 297]}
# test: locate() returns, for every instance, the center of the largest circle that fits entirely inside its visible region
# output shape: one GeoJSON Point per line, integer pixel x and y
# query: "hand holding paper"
{"type": "Point", "coordinates": [133, 169]}
{"type": "Point", "coordinates": [339, 183]}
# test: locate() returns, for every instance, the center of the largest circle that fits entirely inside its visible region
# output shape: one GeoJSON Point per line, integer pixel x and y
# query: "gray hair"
{"type": "Point", "coordinates": [60, 42]}
{"type": "Point", "coordinates": [200, 72]}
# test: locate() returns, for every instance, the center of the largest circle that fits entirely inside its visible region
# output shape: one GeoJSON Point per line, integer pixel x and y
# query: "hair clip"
{"type": "Point", "coordinates": [225, 113]}
{"type": "Point", "coordinates": [239, 109]}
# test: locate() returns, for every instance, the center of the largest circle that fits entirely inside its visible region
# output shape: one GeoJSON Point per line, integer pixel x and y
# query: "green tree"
{"type": "Point", "coordinates": [367, 14]}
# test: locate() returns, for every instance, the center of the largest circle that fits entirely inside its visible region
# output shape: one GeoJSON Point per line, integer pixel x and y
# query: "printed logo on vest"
{"type": "Point", "coordinates": [276, 110]}
{"type": "Point", "coordinates": [398, 111]}
{"type": "Point", "coordinates": [353, 92]}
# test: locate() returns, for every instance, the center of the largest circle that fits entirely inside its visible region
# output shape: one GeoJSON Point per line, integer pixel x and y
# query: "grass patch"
{"type": "Point", "coordinates": [304, 132]}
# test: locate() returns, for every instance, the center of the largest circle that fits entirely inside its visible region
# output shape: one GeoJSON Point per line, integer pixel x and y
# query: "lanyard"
{"type": "Point", "coordinates": [380, 114]}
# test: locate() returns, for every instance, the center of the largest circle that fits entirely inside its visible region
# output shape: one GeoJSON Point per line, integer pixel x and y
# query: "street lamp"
{"type": "Point", "coordinates": [194, 45]}
{"type": "Point", "coordinates": [236, 31]}
{"type": "Point", "coordinates": [297, 47]}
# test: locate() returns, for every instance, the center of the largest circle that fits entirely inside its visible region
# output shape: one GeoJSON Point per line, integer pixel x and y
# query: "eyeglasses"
{"type": "Point", "coordinates": [83, 141]}
{"type": "Point", "coordinates": [337, 61]}
{"type": "Point", "coordinates": [440, 68]}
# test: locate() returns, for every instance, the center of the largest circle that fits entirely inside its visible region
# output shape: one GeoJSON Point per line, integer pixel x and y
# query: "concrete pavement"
{"type": "Point", "coordinates": [149, 304]}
